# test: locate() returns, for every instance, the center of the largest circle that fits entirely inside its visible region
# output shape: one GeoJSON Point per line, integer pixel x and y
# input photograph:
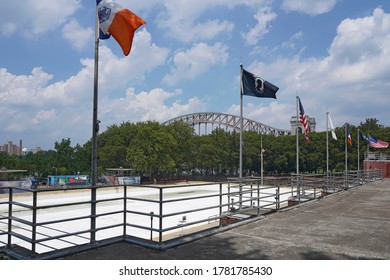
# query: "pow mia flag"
{"type": "Point", "coordinates": [255, 86]}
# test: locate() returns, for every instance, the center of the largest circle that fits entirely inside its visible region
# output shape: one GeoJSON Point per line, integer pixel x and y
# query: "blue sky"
{"type": "Point", "coordinates": [334, 54]}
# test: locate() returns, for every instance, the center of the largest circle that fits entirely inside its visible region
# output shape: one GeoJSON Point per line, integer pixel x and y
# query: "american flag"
{"type": "Point", "coordinates": [303, 120]}
{"type": "Point", "coordinates": [376, 143]}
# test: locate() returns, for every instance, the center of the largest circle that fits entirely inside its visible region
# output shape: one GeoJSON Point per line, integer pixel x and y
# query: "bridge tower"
{"type": "Point", "coordinates": [294, 123]}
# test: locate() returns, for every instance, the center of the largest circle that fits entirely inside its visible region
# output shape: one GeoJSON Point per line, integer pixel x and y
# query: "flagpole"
{"type": "Point", "coordinates": [241, 127]}
{"type": "Point", "coordinates": [296, 135]}
{"type": "Point", "coordinates": [297, 146]}
{"type": "Point", "coordinates": [241, 123]}
{"type": "Point", "coordinates": [95, 125]}
{"type": "Point", "coordinates": [261, 160]}
{"type": "Point", "coordinates": [327, 143]}
{"type": "Point", "coordinates": [358, 151]}
{"type": "Point", "coordinates": [346, 148]}
{"type": "Point", "coordinates": [95, 129]}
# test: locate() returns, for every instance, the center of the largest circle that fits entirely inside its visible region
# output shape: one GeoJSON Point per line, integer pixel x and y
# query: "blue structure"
{"type": "Point", "coordinates": [67, 180]}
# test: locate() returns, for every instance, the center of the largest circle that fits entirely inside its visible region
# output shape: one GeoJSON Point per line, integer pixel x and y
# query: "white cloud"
{"type": "Point", "coordinates": [261, 112]}
{"type": "Point", "coordinates": [361, 39]}
{"type": "Point", "coordinates": [309, 6]}
{"type": "Point", "coordinates": [153, 105]}
{"type": "Point", "coordinates": [351, 82]}
{"type": "Point", "coordinates": [358, 55]}
{"type": "Point", "coordinates": [22, 89]}
{"type": "Point", "coordinates": [33, 105]}
{"type": "Point", "coordinates": [144, 57]}
{"type": "Point", "coordinates": [44, 116]}
{"type": "Point", "coordinates": [291, 42]}
{"type": "Point", "coordinates": [181, 18]}
{"type": "Point", "coordinates": [196, 61]}
{"type": "Point", "coordinates": [263, 17]}
{"type": "Point", "coordinates": [80, 38]}
{"type": "Point", "coordinates": [188, 31]}
{"type": "Point", "coordinates": [35, 17]}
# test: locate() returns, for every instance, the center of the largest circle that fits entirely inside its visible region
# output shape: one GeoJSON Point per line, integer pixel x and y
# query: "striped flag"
{"type": "Point", "coordinates": [349, 138]}
{"type": "Point", "coordinates": [118, 22]}
{"type": "Point", "coordinates": [376, 143]}
{"type": "Point", "coordinates": [303, 120]}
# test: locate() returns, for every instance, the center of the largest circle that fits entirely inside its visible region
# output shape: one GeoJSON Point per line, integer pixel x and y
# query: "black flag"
{"type": "Point", "coordinates": [255, 86]}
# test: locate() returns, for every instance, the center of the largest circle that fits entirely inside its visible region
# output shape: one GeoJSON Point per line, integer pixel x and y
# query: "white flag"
{"type": "Point", "coordinates": [332, 128]}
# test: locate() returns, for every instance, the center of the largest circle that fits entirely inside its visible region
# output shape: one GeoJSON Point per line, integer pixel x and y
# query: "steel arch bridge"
{"type": "Point", "coordinates": [228, 122]}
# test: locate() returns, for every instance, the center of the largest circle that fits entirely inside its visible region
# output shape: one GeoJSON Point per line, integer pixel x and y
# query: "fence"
{"type": "Point", "coordinates": [50, 223]}
{"type": "Point", "coordinates": [375, 156]}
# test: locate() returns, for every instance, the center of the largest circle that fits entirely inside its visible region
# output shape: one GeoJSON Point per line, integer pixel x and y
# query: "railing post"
{"type": "Point", "coordinates": [292, 183]}
{"type": "Point", "coordinates": [229, 195]}
{"type": "Point", "coordinates": [220, 202]}
{"type": "Point", "coordinates": [151, 225]}
{"type": "Point", "coordinates": [299, 189]}
{"type": "Point", "coordinates": [258, 198]}
{"type": "Point", "coordinates": [34, 223]}
{"type": "Point", "coordinates": [240, 194]}
{"type": "Point", "coordinates": [160, 217]}
{"type": "Point", "coordinates": [10, 203]}
{"type": "Point", "coordinates": [251, 193]}
{"type": "Point", "coordinates": [124, 211]}
{"type": "Point", "coordinates": [93, 215]}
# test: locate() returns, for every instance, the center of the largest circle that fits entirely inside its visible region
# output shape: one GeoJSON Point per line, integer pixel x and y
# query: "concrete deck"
{"type": "Point", "coordinates": [353, 224]}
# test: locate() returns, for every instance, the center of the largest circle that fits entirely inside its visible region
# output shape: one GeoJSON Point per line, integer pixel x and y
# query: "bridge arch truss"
{"type": "Point", "coordinates": [226, 121]}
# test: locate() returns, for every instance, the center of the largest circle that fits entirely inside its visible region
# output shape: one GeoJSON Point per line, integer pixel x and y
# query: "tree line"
{"type": "Point", "coordinates": [156, 150]}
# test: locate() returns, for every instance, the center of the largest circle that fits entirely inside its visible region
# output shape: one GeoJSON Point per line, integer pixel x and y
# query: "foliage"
{"type": "Point", "coordinates": [151, 149]}
{"type": "Point", "coordinates": [154, 149]}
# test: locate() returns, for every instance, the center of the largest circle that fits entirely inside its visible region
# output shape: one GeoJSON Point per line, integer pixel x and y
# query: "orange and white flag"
{"type": "Point", "coordinates": [119, 22]}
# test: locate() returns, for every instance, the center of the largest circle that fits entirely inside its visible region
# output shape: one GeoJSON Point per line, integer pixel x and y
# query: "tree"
{"type": "Point", "coordinates": [65, 156]}
{"type": "Point", "coordinates": [220, 140]}
{"type": "Point", "coordinates": [156, 149]}
{"type": "Point", "coordinates": [251, 152]}
{"type": "Point", "coordinates": [233, 153]}
{"type": "Point", "coordinates": [7, 161]}
{"type": "Point", "coordinates": [152, 148]}
{"type": "Point", "coordinates": [371, 125]}
{"type": "Point", "coordinates": [207, 154]}
{"type": "Point", "coordinates": [183, 155]}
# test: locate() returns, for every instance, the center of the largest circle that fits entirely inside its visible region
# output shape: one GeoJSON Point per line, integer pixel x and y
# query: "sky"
{"type": "Point", "coordinates": [333, 54]}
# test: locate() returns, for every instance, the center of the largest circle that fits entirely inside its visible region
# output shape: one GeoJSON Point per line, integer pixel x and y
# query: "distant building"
{"type": "Point", "coordinates": [296, 123]}
{"type": "Point", "coordinates": [12, 149]}
{"type": "Point", "coordinates": [36, 150]}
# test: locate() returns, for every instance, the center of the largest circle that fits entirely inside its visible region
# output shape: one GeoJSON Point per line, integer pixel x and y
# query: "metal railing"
{"type": "Point", "coordinates": [50, 223]}
{"type": "Point", "coordinates": [377, 156]}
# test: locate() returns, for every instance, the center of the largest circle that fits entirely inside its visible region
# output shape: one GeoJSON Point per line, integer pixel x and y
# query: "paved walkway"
{"type": "Point", "coordinates": [354, 224]}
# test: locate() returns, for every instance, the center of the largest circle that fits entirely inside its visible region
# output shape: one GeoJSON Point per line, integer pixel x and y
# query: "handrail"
{"type": "Point", "coordinates": [152, 215]}
{"type": "Point", "coordinates": [377, 156]}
